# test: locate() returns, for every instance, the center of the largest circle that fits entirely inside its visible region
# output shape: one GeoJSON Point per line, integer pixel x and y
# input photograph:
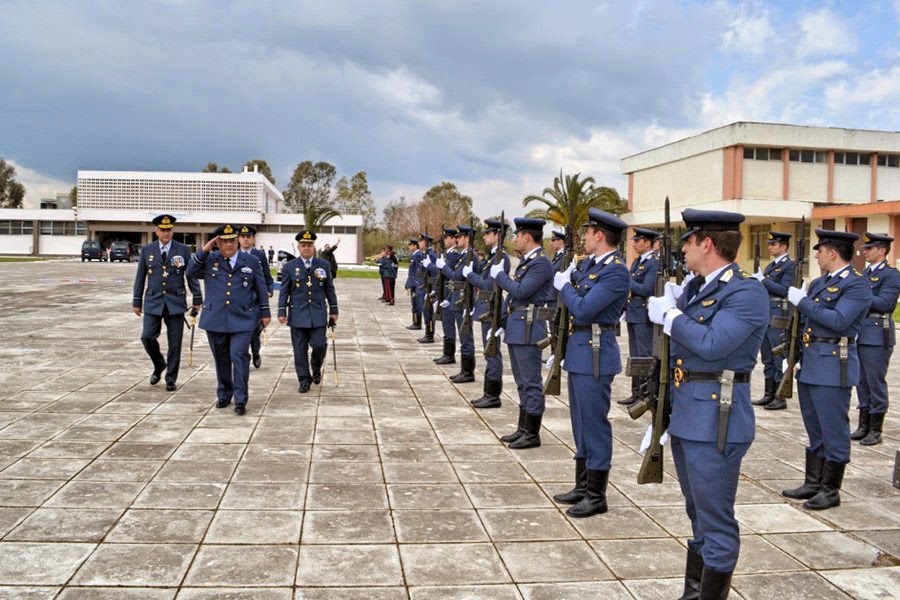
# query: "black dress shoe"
{"type": "Point", "coordinates": [222, 403]}
{"type": "Point", "coordinates": [487, 402]}
{"type": "Point", "coordinates": [240, 409]}
{"type": "Point", "coordinates": [317, 378]}
{"type": "Point", "coordinates": [304, 387]}
{"type": "Point", "coordinates": [627, 401]}
{"type": "Point", "coordinates": [154, 379]}
{"type": "Point", "coordinates": [170, 386]}
{"type": "Point", "coordinates": [257, 361]}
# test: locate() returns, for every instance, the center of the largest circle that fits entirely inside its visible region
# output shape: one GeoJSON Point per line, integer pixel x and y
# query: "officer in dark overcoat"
{"type": "Point", "coordinates": [643, 279]}
{"type": "Point", "coordinates": [247, 242]}
{"type": "Point", "coordinates": [307, 301]}
{"type": "Point", "coordinates": [236, 304]}
{"type": "Point", "coordinates": [160, 295]}
{"type": "Point", "coordinates": [415, 259]}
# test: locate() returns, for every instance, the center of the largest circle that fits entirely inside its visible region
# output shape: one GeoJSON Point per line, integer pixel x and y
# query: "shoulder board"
{"type": "Point", "coordinates": [726, 276]}
{"type": "Point", "coordinates": [593, 276]}
{"type": "Point", "coordinates": [833, 289]}
{"type": "Point", "coordinates": [619, 261]}
{"type": "Point", "coordinates": [709, 302]}
{"type": "Point", "coordinates": [743, 274]}
{"type": "Point", "coordinates": [845, 274]}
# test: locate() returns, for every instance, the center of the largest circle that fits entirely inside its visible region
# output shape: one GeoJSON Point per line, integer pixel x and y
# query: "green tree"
{"type": "Point", "coordinates": [444, 204]}
{"type": "Point", "coordinates": [214, 168]}
{"type": "Point", "coordinates": [263, 168]}
{"type": "Point", "coordinates": [353, 197]}
{"type": "Point", "coordinates": [12, 193]}
{"type": "Point", "coordinates": [309, 193]}
{"type": "Point", "coordinates": [73, 196]}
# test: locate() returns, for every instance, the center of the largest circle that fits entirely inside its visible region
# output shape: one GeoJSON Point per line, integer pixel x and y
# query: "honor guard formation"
{"type": "Point", "coordinates": [695, 322]}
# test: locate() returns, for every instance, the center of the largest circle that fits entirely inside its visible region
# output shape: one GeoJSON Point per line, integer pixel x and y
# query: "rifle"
{"type": "Point", "coordinates": [655, 389]}
{"type": "Point", "coordinates": [791, 344]}
{"type": "Point", "coordinates": [331, 325]}
{"type": "Point", "coordinates": [490, 348]}
{"type": "Point", "coordinates": [756, 256]}
{"type": "Point", "coordinates": [194, 312]}
{"type": "Point", "coordinates": [554, 379]}
{"type": "Point", "coordinates": [440, 279]}
{"type": "Point", "coordinates": [467, 291]}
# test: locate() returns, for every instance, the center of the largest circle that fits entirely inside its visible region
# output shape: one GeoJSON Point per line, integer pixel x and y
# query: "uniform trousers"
{"type": "Point", "coordinates": [640, 339]}
{"type": "Point", "coordinates": [302, 339]}
{"type": "Point", "coordinates": [232, 357]}
{"type": "Point", "coordinates": [493, 370]}
{"type": "Point", "coordinates": [589, 411]}
{"type": "Point", "coordinates": [448, 322]}
{"type": "Point", "coordinates": [389, 283]}
{"type": "Point", "coordinates": [174, 331]}
{"type": "Point", "coordinates": [709, 481]}
{"type": "Point", "coordinates": [466, 339]}
{"type": "Point", "coordinates": [771, 363]}
{"type": "Point", "coordinates": [525, 360]}
{"type": "Point", "coordinates": [872, 389]}
{"type": "Point", "coordinates": [824, 409]}
{"type": "Point", "coordinates": [255, 342]}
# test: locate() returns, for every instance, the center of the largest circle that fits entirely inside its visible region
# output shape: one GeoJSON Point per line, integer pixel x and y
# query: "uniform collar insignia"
{"type": "Point", "coordinates": [709, 302]}
{"type": "Point", "coordinates": [726, 276]}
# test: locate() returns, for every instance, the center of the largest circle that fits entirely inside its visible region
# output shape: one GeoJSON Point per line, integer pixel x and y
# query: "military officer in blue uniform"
{"type": "Point", "coordinates": [833, 311]}
{"type": "Point", "coordinates": [716, 323]}
{"type": "Point", "coordinates": [247, 242]}
{"type": "Point", "coordinates": [485, 288]}
{"type": "Point", "coordinates": [527, 291]}
{"type": "Point", "coordinates": [776, 277]}
{"type": "Point", "coordinates": [558, 248]}
{"type": "Point", "coordinates": [162, 268]}
{"type": "Point", "coordinates": [876, 339]}
{"type": "Point", "coordinates": [236, 303]}
{"type": "Point", "coordinates": [448, 308]}
{"type": "Point", "coordinates": [415, 259]}
{"type": "Point", "coordinates": [643, 279]}
{"type": "Point", "coordinates": [424, 281]}
{"type": "Point", "coordinates": [595, 295]}
{"type": "Point", "coordinates": [457, 280]}
{"type": "Point", "coordinates": [306, 286]}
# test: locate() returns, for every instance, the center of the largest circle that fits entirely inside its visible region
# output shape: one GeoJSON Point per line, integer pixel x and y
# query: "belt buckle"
{"type": "Point", "coordinates": [678, 374]}
{"type": "Point", "coordinates": [805, 338]}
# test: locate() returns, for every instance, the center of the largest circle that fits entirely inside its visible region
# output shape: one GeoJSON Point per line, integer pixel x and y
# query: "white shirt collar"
{"type": "Point", "coordinates": [164, 248]}
{"type": "Point", "coordinates": [839, 271]}
{"type": "Point", "coordinates": [599, 259]}
{"type": "Point", "coordinates": [531, 253]}
{"type": "Point", "coordinates": [714, 276]}
{"type": "Point", "coordinates": [878, 265]}
{"type": "Point", "coordinates": [646, 255]}
{"type": "Point", "coordinates": [781, 258]}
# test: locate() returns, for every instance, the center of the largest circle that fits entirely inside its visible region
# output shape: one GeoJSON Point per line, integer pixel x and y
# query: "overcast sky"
{"type": "Point", "coordinates": [494, 96]}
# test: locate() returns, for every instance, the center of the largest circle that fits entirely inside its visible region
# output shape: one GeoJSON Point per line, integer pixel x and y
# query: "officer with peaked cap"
{"type": "Point", "coordinates": [716, 323]}
{"type": "Point", "coordinates": [236, 303]}
{"type": "Point", "coordinates": [448, 308]}
{"type": "Point", "coordinates": [415, 260]}
{"type": "Point", "coordinates": [307, 285]}
{"type": "Point", "coordinates": [643, 279]}
{"type": "Point", "coordinates": [162, 268]}
{"type": "Point", "coordinates": [247, 242]}
{"type": "Point", "coordinates": [457, 300]}
{"type": "Point", "coordinates": [776, 277]}
{"type": "Point", "coordinates": [423, 281]}
{"type": "Point", "coordinates": [833, 309]}
{"type": "Point", "coordinates": [595, 295]}
{"type": "Point", "coordinates": [876, 339]}
{"type": "Point", "coordinates": [527, 290]}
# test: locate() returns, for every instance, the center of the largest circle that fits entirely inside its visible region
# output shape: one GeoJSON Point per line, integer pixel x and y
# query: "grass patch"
{"type": "Point", "coordinates": [897, 313]}
{"type": "Point", "coordinates": [21, 258]}
{"type": "Point", "coordinates": [357, 274]}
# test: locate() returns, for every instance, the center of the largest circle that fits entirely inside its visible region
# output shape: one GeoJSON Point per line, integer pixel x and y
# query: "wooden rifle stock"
{"type": "Point", "coordinates": [490, 347]}
{"type": "Point", "coordinates": [553, 385]}
{"type": "Point", "coordinates": [791, 345]}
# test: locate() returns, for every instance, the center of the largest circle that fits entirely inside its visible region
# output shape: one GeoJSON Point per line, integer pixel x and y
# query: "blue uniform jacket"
{"type": "Point", "coordinates": [264, 265]}
{"type": "Point", "coordinates": [597, 295]}
{"type": "Point", "coordinates": [306, 293]}
{"type": "Point", "coordinates": [164, 283]}
{"type": "Point", "coordinates": [387, 267]}
{"type": "Point", "coordinates": [484, 285]}
{"type": "Point", "coordinates": [885, 282]}
{"type": "Point", "coordinates": [643, 280]}
{"type": "Point", "coordinates": [414, 261]}
{"type": "Point", "coordinates": [776, 279]}
{"type": "Point", "coordinates": [721, 328]}
{"type": "Point", "coordinates": [834, 307]}
{"type": "Point", "coordinates": [454, 277]}
{"type": "Point", "coordinates": [422, 272]}
{"type": "Point", "coordinates": [530, 285]}
{"type": "Point", "coordinates": [452, 258]}
{"type": "Point", "coordinates": [235, 299]}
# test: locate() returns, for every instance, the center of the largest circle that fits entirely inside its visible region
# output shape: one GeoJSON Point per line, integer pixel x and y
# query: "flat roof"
{"type": "Point", "coordinates": [183, 176]}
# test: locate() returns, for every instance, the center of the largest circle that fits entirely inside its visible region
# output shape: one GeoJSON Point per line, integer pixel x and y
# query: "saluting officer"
{"type": "Point", "coordinates": [415, 258]}
{"type": "Point", "coordinates": [527, 291]}
{"type": "Point", "coordinates": [833, 311]}
{"type": "Point", "coordinates": [457, 300]}
{"type": "Point", "coordinates": [716, 327]}
{"type": "Point", "coordinates": [247, 242]}
{"type": "Point", "coordinates": [448, 308]}
{"type": "Point", "coordinates": [876, 339]}
{"type": "Point", "coordinates": [595, 300]}
{"type": "Point", "coordinates": [423, 282]}
{"type": "Point", "coordinates": [236, 304]}
{"type": "Point", "coordinates": [306, 286]}
{"type": "Point", "coordinates": [643, 279]}
{"type": "Point", "coordinates": [478, 276]}
{"type": "Point", "coordinates": [163, 269]}
{"type": "Point", "coordinates": [777, 277]}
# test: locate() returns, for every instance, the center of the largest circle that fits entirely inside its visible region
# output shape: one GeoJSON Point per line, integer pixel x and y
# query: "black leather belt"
{"type": "Point", "coordinates": [701, 376]}
{"type": "Point", "coordinates": [590, 329]}
{"type": "Point", "coordinates": [811, 339]}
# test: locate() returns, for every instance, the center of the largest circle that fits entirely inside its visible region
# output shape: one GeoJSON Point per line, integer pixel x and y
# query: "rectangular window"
{"type": "Point", "coordinates": [821, 157]}
{"type": "Point", "coordinates": [46, 227]}
{"type": "Point", "coordinates": [865, 159]}
{"type": "Point", "coordinates": [794, 156]}
{"type": "Point", "coordinates": [5, 227]}
{"type": "Point", "coordinates": [748, 153]}
{"type": "Point", "coordinates": [851, 158]}
{"type": "Point", "coordinates": [893, 160]}
{"type": "Point", "coordinates": [838, 158]}
{"type": "Point", "coordinates": [882, 160]}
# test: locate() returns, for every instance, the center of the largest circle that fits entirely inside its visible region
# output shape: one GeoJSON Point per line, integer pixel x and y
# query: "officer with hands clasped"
{"type": "Point", "coordinates": [643, 278]}
{"type": "Point", "coordinates": [876, 339]}
{"type": "Point", "coordinates": [777, 277]}
{"type": "Point", "coordinates": [247, 242]}
{"type": "Point", "coordinates": [236, 303]}
{"type": "Point", "coordinates": [163, 268]}
{"type": "Point", "coordinates": [306, 287]}
{"type": "Point", "coordinates": [716, 323]}
{"type": "Point", "coordinates": [527, 291]}
{"type": "Point", "coordinates": [595, 295]}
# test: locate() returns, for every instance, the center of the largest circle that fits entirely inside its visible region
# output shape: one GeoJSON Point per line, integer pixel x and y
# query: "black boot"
{"type": "Point", "coordinates": [714, 585]}
{"type": "Point", "coordinates": [448, 357]}
{"type": "Point", "coordinates": [768, 395]}
{"type": "Point", "coordinates": [491, 397]}
{"type": "Point", "coordinates": [575, 495]}
{"type": "Point", "coordinates": [635, 393]}
{"type": "Point", "coordinates": [594, 501]}
{"type": "Point", "coordinates": [531, 437]}
{"type": "Point", "coordinates": [520, 429]}
{"type": "Point", "coordinates": [863, 429]}
{"type": "Point", "coordinates": [428, 338]}
{"type": "Point", "coordinates": [417, 322]}
{"type": "Point", "coordinates": [693, 573]}
{"type": "Point", "coordinates": [829, 492]}
{"type": "Point", "coordinates": [467, 371]}
{"type": "Point", "coordinates": [812, 481]}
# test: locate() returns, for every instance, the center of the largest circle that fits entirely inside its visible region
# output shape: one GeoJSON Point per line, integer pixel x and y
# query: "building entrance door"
{"type": "Point", "coordinates": [859, 226]}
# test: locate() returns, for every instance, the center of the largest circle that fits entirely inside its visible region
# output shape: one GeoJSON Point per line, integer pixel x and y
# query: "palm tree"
{"type": "Point", "coordinates": [314, 216]}
{"type": "Point", "coordinates": [580, 193]}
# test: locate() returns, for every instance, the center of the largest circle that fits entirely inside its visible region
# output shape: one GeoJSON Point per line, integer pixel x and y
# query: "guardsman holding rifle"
{"type": "Point", "coordinates": [247, 241]}
{"type": "Point", "coordinates": [448, 308]}
{"type": "Point", "coordinates": [527, 291]}
{"type": "Point", "coordinates": [876, 339]}
{"type": "Point", "coordinates": [415, 259]}
{"type": "Point", "coordinates": [716, 323]}
{"type": "Point", "coordinates": [643, 277]}
{"type": "Point", "coordinates": [595, 295]}
{"type": "Point", "coordinates": [457, 300]}
{"type": "Point", "coordinates": [423, 287]}
{"type": "Point", "coordinates": [777, 277]}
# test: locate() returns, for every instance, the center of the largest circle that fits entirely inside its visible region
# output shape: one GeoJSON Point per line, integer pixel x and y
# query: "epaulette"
{"type": "Point", "coordinates": [619, 261]}
{"type": "Point", "coordinates": [846, 273]}
{"type": "Point", "coordinates": [726, 276]}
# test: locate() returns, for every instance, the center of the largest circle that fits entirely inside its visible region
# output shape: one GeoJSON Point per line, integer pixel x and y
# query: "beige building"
{"type": "Point", "coordinates": [844, 179]}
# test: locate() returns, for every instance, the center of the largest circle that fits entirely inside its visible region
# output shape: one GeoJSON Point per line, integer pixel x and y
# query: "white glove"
{"type": "Point", "coordinates": [440, 263]}
{"type": "Point", "coordinates": [549, 362]}
{"type": "Point", "coordinates": [795, 295]}
{"type": "Point", "coordinates": [426, 261]}
{"type": "Point", "coordinates": [499, 333]}
{"type": "Point", "coordinates": [562, 278]}
{"type": "Point", "coordinates": [466, 270]}
{"type": "Point", "coordinates": [445, 304]}
{"type": "Point", "coordinates": [784, 365]}
{"type": "Point", "coordinates": [434, 306]}
{"type": "Point", "coordinates": [674, 291]}
{"type": "Point", "coordinates": [645, 443]}
{"type": "Point", "coordinates": [495, 270]}
{"type": "Point", "coordinates": [759, 276]}
{"type": "Point", "coordinates": [657, 307]}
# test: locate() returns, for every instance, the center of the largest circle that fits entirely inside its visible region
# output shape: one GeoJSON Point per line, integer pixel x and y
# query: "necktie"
{"type": "Point", "coordinates": [307, 265]}
{"type": "Point", "coordinates": [164, 255]}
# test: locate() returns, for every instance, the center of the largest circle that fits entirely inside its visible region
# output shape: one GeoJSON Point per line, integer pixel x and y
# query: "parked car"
{"type": "Point", "coordinates": [93, 250]}
{"type": "Point", "coordinates": [121, 251]}
{"type": "Point", "coordinates": [283, 257]}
